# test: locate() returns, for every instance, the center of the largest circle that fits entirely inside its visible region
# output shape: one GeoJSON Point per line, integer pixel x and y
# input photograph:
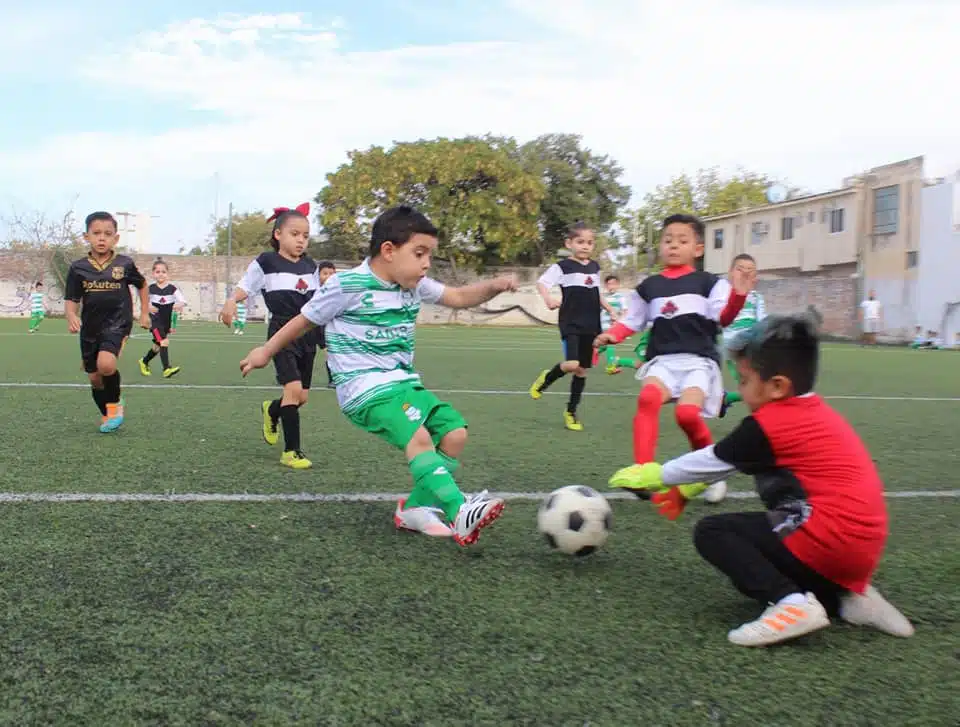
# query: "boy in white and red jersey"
{"type": "Point", "coordinates": [813, 552]}
{"type": "Point", "coordinates": [687, 308]}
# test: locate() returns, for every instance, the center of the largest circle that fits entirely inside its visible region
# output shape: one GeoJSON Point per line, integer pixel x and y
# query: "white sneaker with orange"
{"type": "Point", "coordinates": [782, 622]}
{"type": "Point", "coordinates": [873, 610]}
{"type": "Point", "coordinates": [424, 520]}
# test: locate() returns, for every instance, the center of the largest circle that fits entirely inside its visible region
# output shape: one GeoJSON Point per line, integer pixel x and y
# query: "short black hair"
{"type": "Point", "coordinates": [325, 265]}
{"type": "Point", "coordinates": [38, 284]}
{"type": "Point", "coordinates": [398, 225]}
{"type": "Point", "coordinates": [743, 256]}
{"type": "Point", "coordinates": [576, 228]}
{"type": "Point", "coordinates": [99, 217]}
{"type": "Point", "coordinates": [683, 219]}
{"type": "Point", "coordinates": [160, 261]}
{"type": "Point", "coordinates": [279, 221]}
{"type": "Point", "coordinates": [611, 277]}
{"type": "Point", "coordinates": [782, 345]}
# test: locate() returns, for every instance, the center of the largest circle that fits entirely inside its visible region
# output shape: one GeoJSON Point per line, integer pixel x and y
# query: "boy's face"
{"type": "Point", "coordinates": [613, 285]}
{"type": "Point", "coordinates": [755, 391]}
{"type": "Point", "coordinates": [582, 245]}
{"type": "Point", "coordinates": [408, 264]}
{"type": "Point", "coordinates": [679, 245]}
{"type": "Point", "coordinates": [744, 266]}
{"type": "Point", "coordinates": [101, 236]}
{"type": "Point", "coordinates": [325, 274]}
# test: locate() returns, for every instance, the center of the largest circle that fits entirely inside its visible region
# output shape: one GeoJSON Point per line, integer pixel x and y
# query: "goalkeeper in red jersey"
{"type": "Point", "coordinates": [813, 552]}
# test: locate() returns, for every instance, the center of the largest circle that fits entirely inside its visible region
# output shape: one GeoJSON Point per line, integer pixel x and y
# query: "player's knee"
{"type": "Point", "coordinates": [453, 442]}
{"type": "Point", "coordinates": [164, 343]}
{"type": "Point", "coordinates": [580, 371]}
{"type": "Point", "coordinates": [650, 398]}
{"type": "Point", "coordinates": [106, 364]}
{"type": "Point", "coordinates": [304, 396]}
{"type": "Point", "coordinates": [155, 348]}
{"type": "Point", "coordinates": [420, 442]}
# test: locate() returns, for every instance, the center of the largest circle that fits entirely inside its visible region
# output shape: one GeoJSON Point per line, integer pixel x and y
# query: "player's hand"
{"type": "Point", "coordinates": [227, 313]}
{"type": "Point", "coordinates": [552, 303]}
{"type": "Point", "coordinates": [743, 281]}
{"type": "Point", "coordinates": [145, 321]}
{"type": "Point", "coordinates": [256, 359]}
{"type": "Point", "coordinates": [603, 340]}
{"type": "Point", "coordinates": [505, 283]}
{"type": "Point", "coordinates": [73, 324]}
{"type": "Point", "coordinates": [670, 504]}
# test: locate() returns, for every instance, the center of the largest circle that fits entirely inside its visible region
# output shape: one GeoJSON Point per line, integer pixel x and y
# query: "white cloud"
{"type": "Point", "coordinates": [811, 91]}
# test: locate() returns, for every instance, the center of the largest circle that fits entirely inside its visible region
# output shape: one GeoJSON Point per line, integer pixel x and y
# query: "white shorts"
{"type": "Point", "coordinates": [680, 371]}
{"type": "Point", "coordinates": [871, 325]}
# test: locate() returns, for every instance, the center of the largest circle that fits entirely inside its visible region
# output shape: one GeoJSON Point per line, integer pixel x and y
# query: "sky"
{"type": "Point", "coordinates": [176, 109]}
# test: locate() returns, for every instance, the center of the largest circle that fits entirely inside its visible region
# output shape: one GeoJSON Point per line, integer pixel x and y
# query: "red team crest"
{"type": "Point", "coordinates": [669, 309]}
{"type": "Point", "coordinates": [163, 301]}
{"type": "Point", "coordinates": [301, 285]}
{"type": "Point", "coordinates": [588, 281]}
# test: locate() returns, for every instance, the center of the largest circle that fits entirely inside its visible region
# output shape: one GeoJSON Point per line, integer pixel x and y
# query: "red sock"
{"type": "Point", "coordinates": [692, 424]}
{"type": "Point", "coordinates": [646, 424]}
{"type": "Point", "coordinates": [596, 356]}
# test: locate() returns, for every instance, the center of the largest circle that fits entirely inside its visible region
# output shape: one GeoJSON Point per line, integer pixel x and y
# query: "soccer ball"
{"type": "Point", "coordinates": [575, 520]}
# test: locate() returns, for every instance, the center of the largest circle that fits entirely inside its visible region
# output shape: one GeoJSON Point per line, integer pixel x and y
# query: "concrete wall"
{"type": "Point", "coordinates": [203, 282]}
{"type": "Point", "coordinates": [939, 261]}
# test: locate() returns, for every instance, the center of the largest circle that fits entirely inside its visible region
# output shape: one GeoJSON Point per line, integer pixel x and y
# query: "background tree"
{"type": "Point", "coordinates": [483, 203]}
{"type": "Point", "coordinates": [53, 241]}
{"type": "Point", "coordinates": [251, 234]}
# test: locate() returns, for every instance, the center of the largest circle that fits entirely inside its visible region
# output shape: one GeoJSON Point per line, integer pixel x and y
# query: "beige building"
{"type": "Point", "coordinates": [868, 229]}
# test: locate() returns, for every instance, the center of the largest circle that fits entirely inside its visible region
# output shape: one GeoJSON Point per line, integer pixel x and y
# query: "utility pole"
{"type": "Point", "coordinates": [229, 240]}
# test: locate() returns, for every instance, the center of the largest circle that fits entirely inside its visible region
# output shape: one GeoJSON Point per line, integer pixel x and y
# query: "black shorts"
{"type": "Point", "coordinates": [295, 362]}
{"type": "Point", "coordinates": [110, 340]}
{"type": "Point", "coordinates": [579, 347]}
{"type": "Point", "coordinates": [320, 336]}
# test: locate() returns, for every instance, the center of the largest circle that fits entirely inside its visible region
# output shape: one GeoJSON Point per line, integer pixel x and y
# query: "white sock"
{"type": "Point", "coordinates": [794, 599]}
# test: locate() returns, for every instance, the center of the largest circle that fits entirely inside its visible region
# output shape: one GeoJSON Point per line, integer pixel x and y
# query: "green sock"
{"type": "Point", "coordinates": [173, 319]}
{"type": "Point", "coordinates": [611, 353]}
{"type": "Point", "coordinates": [627, 362]}
{"type": "Point", "coordinates": [452, 464]}
{"type": "Point", "coordinates": [433, 485]}
{"type": "Point", "coordinates": [732, 397]}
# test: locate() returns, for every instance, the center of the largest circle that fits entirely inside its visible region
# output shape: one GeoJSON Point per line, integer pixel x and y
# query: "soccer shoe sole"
{"type": "Point", "coordinates": [493, 513]}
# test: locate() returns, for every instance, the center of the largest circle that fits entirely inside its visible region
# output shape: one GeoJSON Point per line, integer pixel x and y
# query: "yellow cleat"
{"type": "Point", "coordinates": [172, 371]}
{"type": "Point", "coordinates": [571, 422]}
{"type": "Point", "coordinates": [295, 460]}
{"type": "Point", "coordinates": [641, 479]}
{"type": "Point", "coordinates": [271, 432]}
{"type": "Point", "coordinates": [144, 368]}
{"type": "Point", "coordinates": [535, 392]}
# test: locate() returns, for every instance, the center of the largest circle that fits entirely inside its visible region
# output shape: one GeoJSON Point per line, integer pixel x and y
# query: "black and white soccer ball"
{"type": "Point", "coordinates": [575, 520]}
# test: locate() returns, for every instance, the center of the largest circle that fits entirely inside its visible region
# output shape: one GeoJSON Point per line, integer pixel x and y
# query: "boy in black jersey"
{"type": "Point", "coordinates": [287, 277]}
{"type": "Point", "coordinates": [579, 279]}
{"type": "Point", "coordinates": [325, 269]}
{"type": "Point", "coordinates": [165, 301]}
{"type": "Point", "coordinates": [688, 308]}
{"type": "Point", "coordinates": [98, 307]}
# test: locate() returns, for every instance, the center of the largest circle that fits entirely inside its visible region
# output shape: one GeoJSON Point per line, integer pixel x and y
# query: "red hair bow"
{"type": "Point", "coordinates": [303, 209]}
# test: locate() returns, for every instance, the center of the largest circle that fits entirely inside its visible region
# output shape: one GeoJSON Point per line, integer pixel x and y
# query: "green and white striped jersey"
{"type": "Point", "coordinates": [617, 301]}
{"type": "Point", "coordinates": [36, 303]}
{"type": "Point", "coordinates": [370, 331]}
{"type": "Point", "coordinates": [754, 310]}
{"type": "Point", "coordinates": [241, 312]}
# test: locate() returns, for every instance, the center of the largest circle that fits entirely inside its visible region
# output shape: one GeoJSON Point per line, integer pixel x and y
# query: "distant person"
{"type": "Point", "coordinates": [871, 313]}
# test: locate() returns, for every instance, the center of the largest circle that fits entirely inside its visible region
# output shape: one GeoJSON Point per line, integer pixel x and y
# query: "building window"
{"type": "Point", "coordinates": [836, 221]}
{"type": "Point", "coordinates": [718, 239]}
{"type": "Point", "coordinates": [758, 230]}
{"type": "Point", "coordinates": [786, 228]}
{"type": "Point", "coordinates": [912, 258]}
{"type": "Point", "coordinates": [811, 216]}
{"type": "Point", "coordinates": [886, 210]}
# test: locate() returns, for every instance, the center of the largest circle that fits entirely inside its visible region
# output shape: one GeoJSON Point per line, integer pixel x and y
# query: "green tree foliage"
{"type": "Point", "coordinates": [483, 203]}
{"type": "Point", "coordinates": [250, 233]}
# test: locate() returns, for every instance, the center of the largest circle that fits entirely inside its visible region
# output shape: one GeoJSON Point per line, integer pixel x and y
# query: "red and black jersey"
{"type": "Point", "coordinates": [815, 475]}
{"type": "Point", "coordinates": [687, 308]}
{"type": "Point", "coordinates": [164, 299]}
{"type": "Point", "coordinates": [580, 290]}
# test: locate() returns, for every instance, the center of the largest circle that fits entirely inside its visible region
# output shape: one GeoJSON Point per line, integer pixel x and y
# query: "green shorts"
{"type": "Point", "coordinates": [397, 414]}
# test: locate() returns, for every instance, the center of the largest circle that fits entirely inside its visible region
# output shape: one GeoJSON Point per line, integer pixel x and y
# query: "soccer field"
{"type": "Point", "coordinates": [256, 595]}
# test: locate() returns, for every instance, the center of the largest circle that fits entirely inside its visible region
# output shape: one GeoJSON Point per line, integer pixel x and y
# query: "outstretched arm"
{"type": "Point", "coordinates": [468, 295]}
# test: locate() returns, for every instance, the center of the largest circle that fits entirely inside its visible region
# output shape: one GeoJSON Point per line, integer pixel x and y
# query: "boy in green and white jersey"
{"type": "Point", "coordinates": [754, 310]}
{"type": "Point", "coordinates": [37, 310]}
{"type": "Point", "coordinates": [369, 314]}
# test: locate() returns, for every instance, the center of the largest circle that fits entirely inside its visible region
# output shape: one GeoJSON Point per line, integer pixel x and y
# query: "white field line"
{"type": "Point", "coordinates": [475, 392]}
{"type": "Point", "coordinates": [342, 497]}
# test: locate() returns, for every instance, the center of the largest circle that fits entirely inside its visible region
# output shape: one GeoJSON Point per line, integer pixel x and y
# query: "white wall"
{"type": "Point", "coordinates": [939, 263]}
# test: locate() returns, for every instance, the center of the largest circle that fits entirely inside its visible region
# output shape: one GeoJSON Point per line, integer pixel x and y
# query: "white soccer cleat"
{"type": "Point", "coordinates": [476, 513]}
{"type": "Point", "coordinates": [872, 609]}
{"type": "Point", "coordinates": [782, 622]}
{"type": "Point", "coordinates": [424, 520]}
{"type": "Point", "coordinates": [717, 492]}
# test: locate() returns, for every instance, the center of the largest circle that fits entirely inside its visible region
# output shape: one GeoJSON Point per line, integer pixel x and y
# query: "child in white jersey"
{"type": "Point", "coordinates": [370, 314]}
{"type": "Point", "coordinates": [754, 310]}
{"type": "Point", "coordinates": [37, 308]}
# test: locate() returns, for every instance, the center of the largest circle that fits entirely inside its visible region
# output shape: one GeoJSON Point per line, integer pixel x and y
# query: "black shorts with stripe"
{"type": "Point", "coordinates": [579, 347]}
{"type": "Point", "coordinates": [295, 362]}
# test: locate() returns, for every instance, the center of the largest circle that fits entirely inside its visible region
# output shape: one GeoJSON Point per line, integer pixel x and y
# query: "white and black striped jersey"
{"type": "Point", "coordinates": [163, 299]}
{"type": "Point", "coordinates": [284, 284]}
{"type": "Point", "coordinates": [686, 307]}
{"type": "Point", "coordinates": [580, 289]}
